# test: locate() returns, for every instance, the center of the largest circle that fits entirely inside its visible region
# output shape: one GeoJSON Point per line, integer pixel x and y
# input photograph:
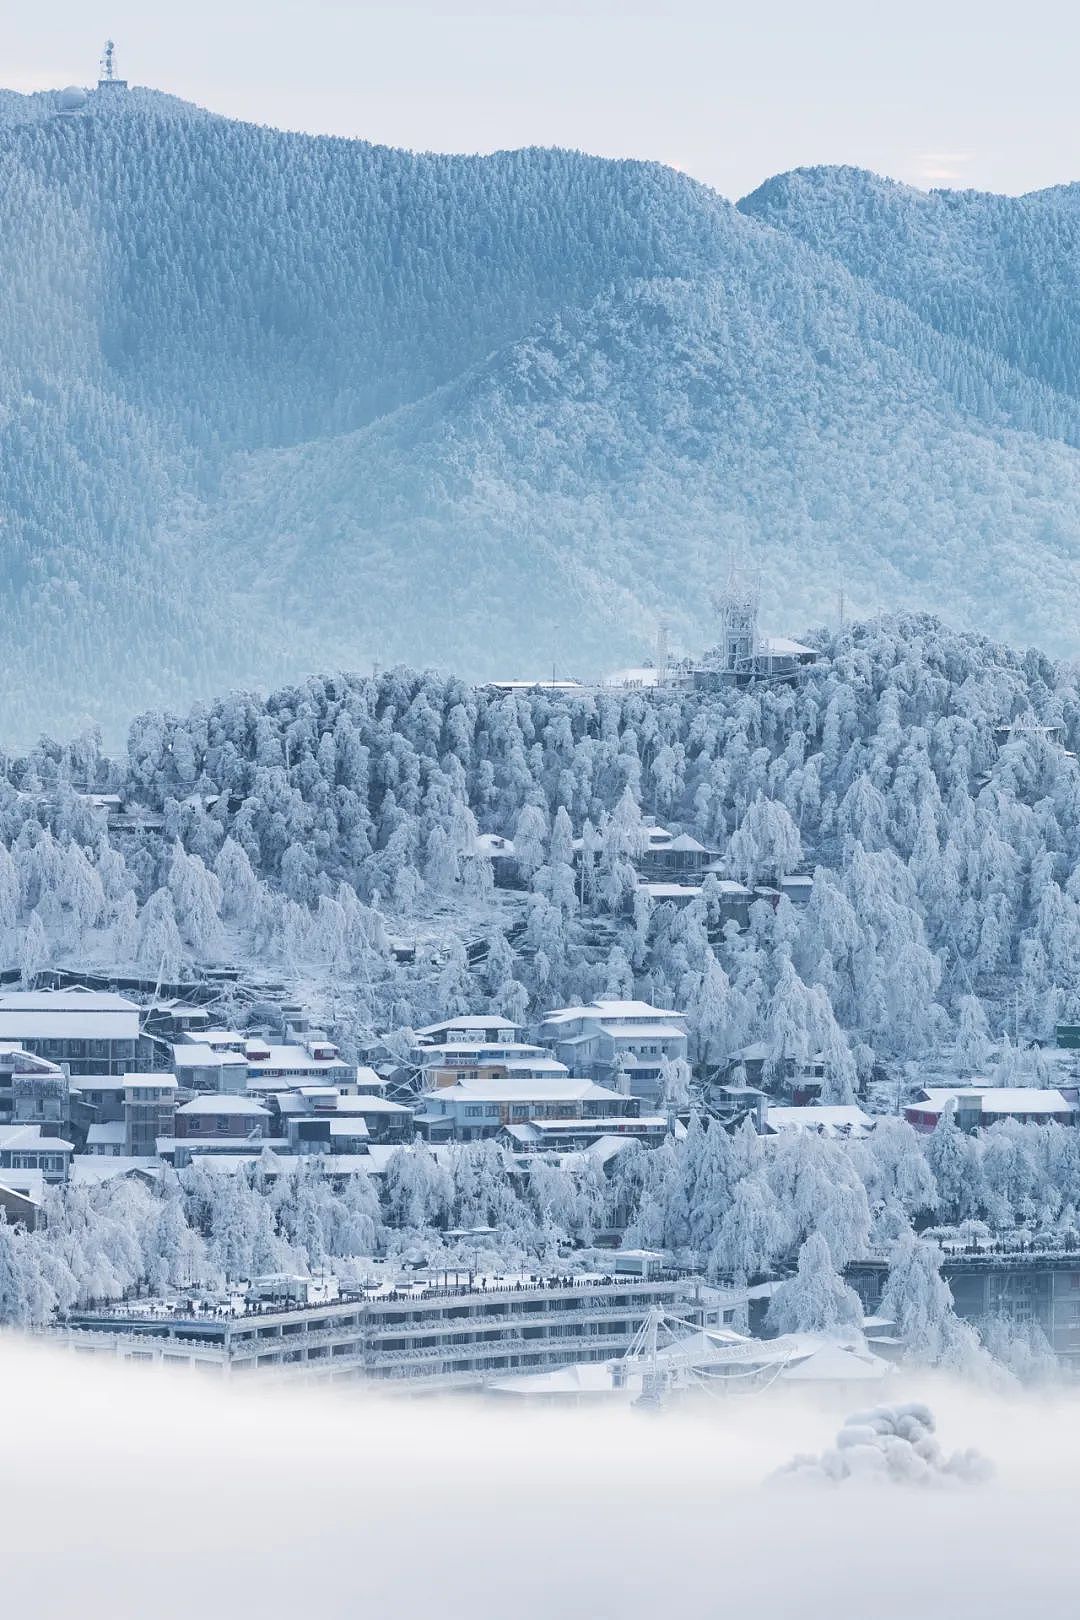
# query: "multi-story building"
{"type": "Point", "coordinates": [319, 1118]}
{"type": "Point", "coordinates": [33, 1091]}
{"type": "Point", "coordinates": [83, 1031]}
{"type": "Point", "coordinates": [126, 1114]}
{"type": "Point", "coordinates": [447, 1065]}
{"type": "Point", "coordinates": [316, 1061]}
{"type": "Point", "coordinates": [225, 1060]}
{"type": "Point", "coordinates": [221, 1115]}
{"type": "Point", "coordinates": [574, 1135]}
{"type": "Point", "coordinates": [486, 1028]}
{"type": "Point", "coordinates": [1003, 1279]}
{"type": "Point", "coordinates": [628, 1041]}
{"type": "Point", "coordinates": [413, 1337]}
{"type": "Point", "coordinates": [201, 1067]}
{"type": "Point", "coordinates": [476, 1044]}
{"type": "Point", "coordinates": [475, 1109]}
{"type": "Point", "coordinates": [26, 1147]}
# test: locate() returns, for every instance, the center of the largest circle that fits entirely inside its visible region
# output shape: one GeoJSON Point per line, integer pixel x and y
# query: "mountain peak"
{"type": "Point", "coordinates": [92, 101]}
{"type": "Point", "coordinates": [262, 388]}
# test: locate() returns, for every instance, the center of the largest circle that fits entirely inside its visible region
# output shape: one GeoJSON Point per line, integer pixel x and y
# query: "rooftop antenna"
{"type": "Point", "coordinates": [662, 645]}
{"type": "Point", "coordinates": [108, 79]}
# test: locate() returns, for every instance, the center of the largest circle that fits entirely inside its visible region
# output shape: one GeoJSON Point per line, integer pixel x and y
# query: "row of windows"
{"type": "Point", "coordinates": [52, 1162]}
{"type": "Point", "coordinates": [81, 1049]}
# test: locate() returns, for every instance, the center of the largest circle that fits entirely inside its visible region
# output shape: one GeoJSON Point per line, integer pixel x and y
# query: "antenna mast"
{"type": "Point", "coordinates": [108, 79]}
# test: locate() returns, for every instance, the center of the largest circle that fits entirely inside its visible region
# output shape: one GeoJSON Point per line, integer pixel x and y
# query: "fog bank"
{"type": "Point", "coordinates": [148, 1492]}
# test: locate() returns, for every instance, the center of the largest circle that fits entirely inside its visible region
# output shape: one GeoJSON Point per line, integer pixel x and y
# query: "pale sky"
{"type": "Point", "coordinates": [946, 93]}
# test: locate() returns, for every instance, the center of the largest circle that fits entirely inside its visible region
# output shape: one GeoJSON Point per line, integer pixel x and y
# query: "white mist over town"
{"type": "Point", "coordinates": [452, 1508]}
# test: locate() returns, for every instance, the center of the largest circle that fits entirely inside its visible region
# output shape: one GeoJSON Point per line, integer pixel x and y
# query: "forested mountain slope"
{"type": "Point", "coordinates": [258, 390]}
{"type": "Point", "coordinates": [581, 483]}
{"type": "Point", "coordinates": [998, 271]}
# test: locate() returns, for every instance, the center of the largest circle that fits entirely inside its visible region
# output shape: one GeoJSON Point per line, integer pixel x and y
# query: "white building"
{"type": "Point", "coordinates": [609, 1038]}
{"type": "Point", "coordinates": [126, 1113]}
{"type": "Point", "coordinates": [488, 1029]}
{"type": "Point", "coordinates": [478, 1108]}
{"type": "Point", "coordinates": [317, 1059]}
{"type": "Point", "coordinates": [85, 1031]}
{"type": "Point", "coordinates": [412, 1336]}
{"type": "Point", "coordinates": [200, 1067]}
{"type": "Point", "coordinates": [25, 1147]}
{"type": "Point", "coordinates": [319, 1119]}
{"type": "Point", "coordinates": [445, 1064]}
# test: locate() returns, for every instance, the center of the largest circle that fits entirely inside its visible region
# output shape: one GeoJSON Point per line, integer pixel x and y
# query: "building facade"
{"type": "Point", "coordinates": [413, 1337]}
{"type": "Point", "coordinates": [1024, 1286]}
{"type": "Point", "coordinates": [83, 1031]}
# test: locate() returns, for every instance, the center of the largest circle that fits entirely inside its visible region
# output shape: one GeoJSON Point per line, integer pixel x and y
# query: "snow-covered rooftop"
{"type": "Point", "coordinates": [671, 891]}
{"type": "Point", "coordinates": [124, 1082]}
{"type": "Point", "coordinates": [602, 1009]}
{"type": "Point", "coordinates": [27, 1183]}
{"type": "Point", "coordinates": [196, 1055]}
{"type": "Point", "coordinates": [478, 1021]}
{"type": "Point", "coordinates": [826, 1119]}
{"type": "Point", "coordinates": [997, 1099]}
{"type": "Point", "coordinates": [17, 1138]}
{"type": "Point", "coordinates": [90, 1168]}
{"type": "Point", "coordinates": [784, 647]}
{"type": "Point", "coordinates": [105, 1135]}
{"type": "Point", "coordinates": [352, 1127]}
{"type": "Point", "coordinates": [217, 1102]}
{"type": "Point", "coordinates": [84, 1019]}
{"type": "Point", "coordinates": [837, 1364]}
{"type": "Point", "coordinates": [512, 1090]}
{"type": "Point", "coordinates": [65, 1001]}
{"type": "Point", "coordinates": [261, 1055]}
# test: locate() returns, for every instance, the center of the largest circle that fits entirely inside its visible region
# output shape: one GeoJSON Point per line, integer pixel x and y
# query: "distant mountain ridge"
{"type": "Point", "coordinates": [271, 401]}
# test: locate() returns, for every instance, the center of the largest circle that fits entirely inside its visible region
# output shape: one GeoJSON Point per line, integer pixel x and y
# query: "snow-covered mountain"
{"type": "Point", "coordinates": [260, 391]}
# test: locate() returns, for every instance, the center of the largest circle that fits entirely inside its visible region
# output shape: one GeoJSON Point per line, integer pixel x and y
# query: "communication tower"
{"type": "Point", "coordinates": [108, 79]}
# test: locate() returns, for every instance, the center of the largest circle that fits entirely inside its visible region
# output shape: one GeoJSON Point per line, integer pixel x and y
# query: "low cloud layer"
{"type": "Point", "coordinates": [137, 1492]}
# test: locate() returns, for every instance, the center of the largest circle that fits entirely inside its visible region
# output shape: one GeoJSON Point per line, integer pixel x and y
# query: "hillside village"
{"type": "Point", "coordinates": [661, 1005]}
